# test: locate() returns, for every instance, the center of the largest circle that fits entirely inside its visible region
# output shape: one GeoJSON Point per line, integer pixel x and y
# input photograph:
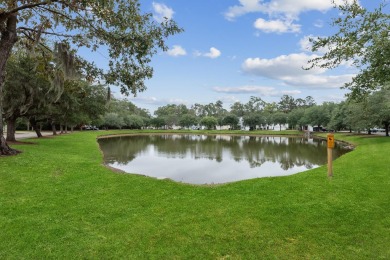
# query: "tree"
{"type": "Point", "coordinates": [209, 122]}
{"type": "Point", "coordinates": [220, 112]}
{"type": "Point", "coordinates": [199, 110]}
{"type": "Point", "coordinates": [231, 120]}
{"type": "Point", "coordinates": [171, 113]}
{"type": "Point", "coordinates": [113, 120]}
{"type": "Point", "coordinates": [22, 88]}
{"type": "Point", "coordinates": [238, 109]}
{"type": "Point", "coordinates": [317, 116]}
{"type": "Point", "coordinates": [255, 104]}
{"type": "Point", "coordinates": [338, 117]}
{"type": "Point", "coordinates": [93, 103]}
{"type": "Point", "coordinates": [132, 116]}
{"type": "Point", "coordinates": [216, 110]}
{"type": "Point", "coordinates": [380, 108]}
{"type": "Point", "coordinates": [158, 122]}
{"type": "Point", "coordinates": [253, 120]}
{"type": "Point", "coordinates": [363, 39]}
{"type": "Point", "coordinates": [309, 101]}
{"type": "Point", "coordinates": [286, 104]}
{"type": "Point", "coordinates": [132, 38]}
{"type": "Point", "coordinates": [279, 118]}
{"type": "Point", "coordinates": [124, 107]}
{"type": "Point", "coordinates": [188, 120]}
{"type": "Point", "coordinates": [133, 122]}
{"type": "Point", "coordinates": [359, 117]}
{"type": "Point", "coordinates": [299, 102]}
{"type": "Point", "coordinates": [295, 118]}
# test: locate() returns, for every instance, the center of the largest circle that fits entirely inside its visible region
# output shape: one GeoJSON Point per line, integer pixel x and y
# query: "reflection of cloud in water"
{"type": "Point", "coordinates": [218, 158]}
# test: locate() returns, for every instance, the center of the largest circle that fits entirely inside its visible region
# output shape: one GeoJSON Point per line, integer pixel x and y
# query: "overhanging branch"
{"type": "Point", "coordinates": [45, 32]}
{"type": "Point", "coordinates": [27, 6]}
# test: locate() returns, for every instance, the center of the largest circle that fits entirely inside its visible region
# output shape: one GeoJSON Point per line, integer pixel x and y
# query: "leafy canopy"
{"type": "Point", "coordinates": [130, 36]}
{"type": "Point", "coordinates": [364, 40]}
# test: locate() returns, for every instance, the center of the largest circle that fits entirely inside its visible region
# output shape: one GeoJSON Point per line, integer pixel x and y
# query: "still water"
{"type": "Point", "coordinates": [204, 159]}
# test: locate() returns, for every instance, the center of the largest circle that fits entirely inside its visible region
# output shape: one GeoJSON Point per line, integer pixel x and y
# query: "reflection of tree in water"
{"type": "Point", "coordinates": [291, 152]}
{"type": "Point", "coordinates": [118, 149]}
{"type": "Point", "coordinates": [288, 152]}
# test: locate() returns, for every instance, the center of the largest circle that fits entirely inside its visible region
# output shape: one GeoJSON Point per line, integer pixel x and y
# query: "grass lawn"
{"type": "Point", "coordinates": [58, 201]}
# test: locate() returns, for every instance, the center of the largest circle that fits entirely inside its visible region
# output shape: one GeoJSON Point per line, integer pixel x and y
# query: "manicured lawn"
{"type": "Point", "coordinates": [58, 201]}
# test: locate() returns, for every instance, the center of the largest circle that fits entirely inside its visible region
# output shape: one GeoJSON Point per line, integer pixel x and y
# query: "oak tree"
{"type": "Point", "coordinates": [131, 36]}
{"type": "Point", "coordinates": [363, 39]}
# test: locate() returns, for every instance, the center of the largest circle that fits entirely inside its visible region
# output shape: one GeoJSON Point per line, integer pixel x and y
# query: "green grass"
{"type": "Point", "coordinates": [58, 201]}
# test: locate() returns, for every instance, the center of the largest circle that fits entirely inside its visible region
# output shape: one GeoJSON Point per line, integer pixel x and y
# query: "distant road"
{"type": "Point", "coordinates": [29, 134]}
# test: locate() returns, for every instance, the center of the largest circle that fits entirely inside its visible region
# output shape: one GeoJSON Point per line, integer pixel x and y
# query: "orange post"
{"type": "Point", "coordinates": [330, 145]}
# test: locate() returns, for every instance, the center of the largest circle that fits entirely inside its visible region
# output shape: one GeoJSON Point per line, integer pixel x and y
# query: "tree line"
{"type": "Point", "coordinates": [350, 115]}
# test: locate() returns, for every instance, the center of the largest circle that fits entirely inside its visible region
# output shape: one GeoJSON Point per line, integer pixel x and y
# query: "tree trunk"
{"type": "Point", "coordinates": [38, 132]}
{"type": "Point", "coordinates": [387, 128]}
{"type": "Point", "coordinates": [53, 127]}
{"type": "Point", "coordinates": [11, 128]}
{"type": "Point", "coordinates": [8, 38]}
{"type": "Point", "coordinates": [5, 149]}
{"type": "Point", "coordinates": [34, 125]}
{"type": "Point", "coordinates": [61, 129]}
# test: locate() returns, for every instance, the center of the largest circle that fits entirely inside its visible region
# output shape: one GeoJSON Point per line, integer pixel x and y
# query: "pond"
{"type": "Point", "coordinates": [212, 159]}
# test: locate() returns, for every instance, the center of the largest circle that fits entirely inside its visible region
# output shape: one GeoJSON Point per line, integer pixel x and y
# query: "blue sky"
{"type": "Point", "coordinates": [233, 49]}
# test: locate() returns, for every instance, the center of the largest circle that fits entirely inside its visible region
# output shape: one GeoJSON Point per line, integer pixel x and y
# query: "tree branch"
{"type": "Point", "coordinates": [27, 6]}
{"type": "Point", "coordinates": [45, 32]}
{"type": "Point", "coordinates": [32, 39]}
{"type": "Point", "coordinates": [70, 18]}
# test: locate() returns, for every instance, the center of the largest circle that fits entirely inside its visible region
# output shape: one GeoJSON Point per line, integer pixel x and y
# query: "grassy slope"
{"type": "Point", "coordinates": [58, 201]}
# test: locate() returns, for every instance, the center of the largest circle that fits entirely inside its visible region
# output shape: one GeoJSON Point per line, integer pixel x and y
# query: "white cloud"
{"type": "Point", "coordinates": [257, 90]}
{"type": "Point", "coordinates": [291, 92]}
{"type": "Point", "coordinates": [285, 12]}
{"type": "Point", "coordinates": [162, 11]}
{"type": "Point", "coordinates": [213, 53]}
{"type": "Point", "coordinates": [281, 66]}
{"type": "Point", "coordinates": [157, 101]}
{"type": "Point", "coordinates": [228, 99]}
{"type": "Point", "coordinates": [276, 26]}
{"type": "Point", "coordinates": [289, 69]}
{"type": "Point", "coordinates": [244, 89]}
{"type": "Point", "coordinates": [246, 6]}
{"type": "Point", "coordinates": [285, 8]}
{"type": "Point", "coordinates": [293, 9]}
{"type": "Point", "coordinates": [146, 100]}
{"type": "Point", "coordinates": [319, 81]}
{"type": "Point", "coordinates": [177, 50]}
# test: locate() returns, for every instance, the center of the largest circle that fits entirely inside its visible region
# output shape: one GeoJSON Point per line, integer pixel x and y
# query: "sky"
{"type": "Point", "coordinates": [231, 50]}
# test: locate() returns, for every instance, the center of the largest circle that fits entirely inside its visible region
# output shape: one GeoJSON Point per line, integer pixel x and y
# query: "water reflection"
{"type": "Point", "coordinates": [202, 159]}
